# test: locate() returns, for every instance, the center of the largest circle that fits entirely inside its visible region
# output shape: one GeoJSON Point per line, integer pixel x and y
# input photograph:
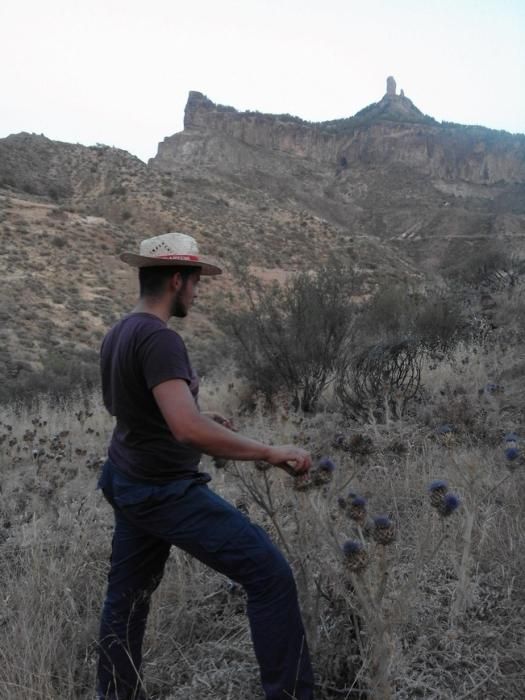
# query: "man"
{"type": "Point", "coordinates": [160, 498]}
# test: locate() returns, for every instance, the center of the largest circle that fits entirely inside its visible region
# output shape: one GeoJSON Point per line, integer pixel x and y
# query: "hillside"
{"type": "Point", "coordinates": [390, 190]}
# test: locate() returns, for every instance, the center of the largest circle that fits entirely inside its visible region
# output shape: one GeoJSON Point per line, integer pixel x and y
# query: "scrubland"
{"type": "Point", "coordinates": [436, 613]}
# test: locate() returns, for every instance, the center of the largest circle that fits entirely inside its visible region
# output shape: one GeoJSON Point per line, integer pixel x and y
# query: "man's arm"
{"type": "Point", "coordinates": [177, 405]}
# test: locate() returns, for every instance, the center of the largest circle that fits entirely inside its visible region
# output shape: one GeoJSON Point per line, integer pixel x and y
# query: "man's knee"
{"type": "Point", "coordinates": [127, 607]}
{"type": "Point", "coordinates": [275, 576]}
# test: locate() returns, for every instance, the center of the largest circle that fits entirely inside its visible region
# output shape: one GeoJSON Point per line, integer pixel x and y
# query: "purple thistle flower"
{"type": "Point", "coordinates": [445, 429]}
{"type": "Point", "coordinates": [326, 465]}
{"type": "Point", "coordinates": [384, 530]}
{"type": "Point", "coordinates": [438, 485]}
{"type": "Point", "coordinates": [512, 453]}
{"type": "Point", "coordinates": [437, 490]}
{"type": "Point", "coordinates": [358, 501]}
{"type": "Point", "coordinates": [449, 504]}
{"type": "Point", "coordinates": [341, 502]}
{"type": "Point", "coordinates": [356, 557]}
{"type": "Point", "coordinates": [357, 510]}
{"type": "Point", "coordinates": [511, 437]}
{"type": "Point", "coordinates": [352, 547]}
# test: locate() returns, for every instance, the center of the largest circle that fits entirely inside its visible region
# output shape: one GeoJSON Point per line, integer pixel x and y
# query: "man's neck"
{"type": "Point", "coordinates": [149, 306]}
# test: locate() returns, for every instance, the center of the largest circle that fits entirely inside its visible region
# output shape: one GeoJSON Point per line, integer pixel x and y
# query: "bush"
{"type": "Point", "coordinates": [118, 190]}
{"type": "Point", "coordinates": [440, 323]}
{"type": "Point", "coordinates": [59, 241]}
{"type": "Point", "coordinates": [61, 375]}
{"type": "Point", "coordinates": [380, 380]}
{"type": "Point", "coordinates": [490, 266]}
{"type": "Point", "coordinates": [433, 319]}
{"type": "Point", "coordinates": [289, 338]}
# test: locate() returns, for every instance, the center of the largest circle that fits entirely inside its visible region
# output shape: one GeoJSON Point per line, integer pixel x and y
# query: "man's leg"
{"type": "Point", "coordinates": [137, 565]}
{"type": "Point", "coordinates": [212, 530]}
{"type": "Point", "coordinates": [251, 559]}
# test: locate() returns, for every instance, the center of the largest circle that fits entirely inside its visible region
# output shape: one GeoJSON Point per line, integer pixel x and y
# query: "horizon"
{"type": "Point", "coordinates": [270, 114]}
{"type": "Point", "coordinates": [116, 73]}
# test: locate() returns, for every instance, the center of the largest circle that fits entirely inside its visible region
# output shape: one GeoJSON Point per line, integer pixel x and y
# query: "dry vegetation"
{"type": "Point", "coordinates": [435, 614]}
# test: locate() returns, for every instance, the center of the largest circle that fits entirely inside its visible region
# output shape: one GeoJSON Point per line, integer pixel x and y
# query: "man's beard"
{"type": "Point", "coordinates": [177, 308]}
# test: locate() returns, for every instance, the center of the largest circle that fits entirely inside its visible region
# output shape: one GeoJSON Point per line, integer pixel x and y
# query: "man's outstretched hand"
{"type": "Point", "coordinates": [293, 460]}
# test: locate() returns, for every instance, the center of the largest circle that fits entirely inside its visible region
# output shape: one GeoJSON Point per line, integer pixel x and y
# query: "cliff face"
{"type": "Point", "coordinates": [388, 133]}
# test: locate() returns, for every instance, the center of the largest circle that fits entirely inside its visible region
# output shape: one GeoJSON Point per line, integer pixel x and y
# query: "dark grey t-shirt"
{"type": "Point", "coordinates": [137, 354]}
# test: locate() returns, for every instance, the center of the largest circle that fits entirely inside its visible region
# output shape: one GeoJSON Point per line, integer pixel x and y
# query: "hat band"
{"type": "Point", "coordinates": [175, 256]}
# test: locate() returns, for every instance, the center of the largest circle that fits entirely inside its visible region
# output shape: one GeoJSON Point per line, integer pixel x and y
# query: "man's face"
{"type": "Point", "coordinates": [185, 295]}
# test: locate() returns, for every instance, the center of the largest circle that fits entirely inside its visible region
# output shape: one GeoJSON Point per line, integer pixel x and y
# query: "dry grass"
{"type": "Point", "coordinates": [436, 614]}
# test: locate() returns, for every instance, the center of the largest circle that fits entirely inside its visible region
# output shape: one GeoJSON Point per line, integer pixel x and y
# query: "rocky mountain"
{"type": "Point", "coordinates": [390, 190]}
{"type": "Point", "coordinates": [389, 172]}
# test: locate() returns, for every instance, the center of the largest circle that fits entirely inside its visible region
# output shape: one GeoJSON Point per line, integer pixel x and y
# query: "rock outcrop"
{"type": "Point", "coordinates": [390, 86]}
{"type": "Point", "coordinates": [390, 132]}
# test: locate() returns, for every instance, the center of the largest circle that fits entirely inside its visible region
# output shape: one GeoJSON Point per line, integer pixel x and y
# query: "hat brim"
{"type": "Point", "coordinates": [206, 265]}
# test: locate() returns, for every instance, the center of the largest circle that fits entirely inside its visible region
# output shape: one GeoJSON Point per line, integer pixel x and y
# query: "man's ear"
{"type": "Point", "coordinates": [175, 282]}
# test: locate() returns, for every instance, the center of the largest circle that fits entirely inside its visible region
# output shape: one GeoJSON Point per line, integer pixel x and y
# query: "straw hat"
{"type": "Point", "coordinates": [171, 249]}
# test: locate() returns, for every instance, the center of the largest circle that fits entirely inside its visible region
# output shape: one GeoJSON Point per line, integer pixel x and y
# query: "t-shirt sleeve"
{"type": "Point", "coordinates": [164, 357]}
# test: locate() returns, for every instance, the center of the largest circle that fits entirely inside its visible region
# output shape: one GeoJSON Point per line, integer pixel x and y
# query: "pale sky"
{"type": "Point", "coordinates": [119, 71]}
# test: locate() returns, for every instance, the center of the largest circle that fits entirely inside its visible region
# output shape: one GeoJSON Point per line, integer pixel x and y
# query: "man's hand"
{"type": "Point", "coordinates": [191, 427]}
{"type": "Point", "coordinates": [293, 460]}
{"type": "Point", "coordinates": [221, 420]}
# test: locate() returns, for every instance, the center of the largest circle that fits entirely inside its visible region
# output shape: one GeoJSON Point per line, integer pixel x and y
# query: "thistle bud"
{"type": "Point", "coordinates": [243, 505]}
{"type": "Point", "coordinates": [513, 438]}
{"type": "Point", "coordinates": [355, 555]}
{"type": "Point", "coordinates": [512, 453]}
{"type": "Point", "coordinates": [437, 491]}
{"type": "Point", "coordinates": [319, 478]}
{"type": "Point", "coordinates": [384, 530]}
{"type": "Point", "coordinates": [449, 504]}
{"type": "Point", "coordinates": [339, 442]}
{"type": "Point", "coordinates": [357, 510]}
{"type": "Point", "coordinates": [303, 482]}
{"type": "Point", "coordinates": [326, 465]}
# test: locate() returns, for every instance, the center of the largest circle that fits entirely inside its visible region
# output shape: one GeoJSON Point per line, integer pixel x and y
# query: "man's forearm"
{"type": "Point", "coordinates": [208, 436]}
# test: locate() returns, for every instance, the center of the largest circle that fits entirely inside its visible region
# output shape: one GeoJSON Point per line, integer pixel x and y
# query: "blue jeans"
{"type": "Point", "coordinates": [149, 519]}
